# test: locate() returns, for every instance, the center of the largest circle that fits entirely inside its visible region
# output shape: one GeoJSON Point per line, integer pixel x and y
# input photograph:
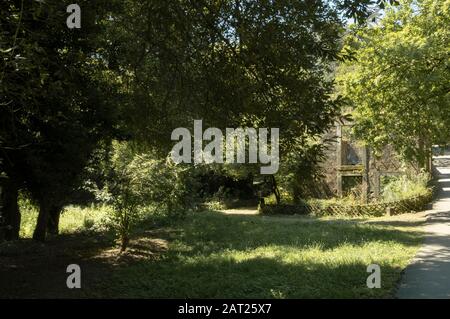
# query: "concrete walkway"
{"type": "Point", "coordinates": [429, 274]}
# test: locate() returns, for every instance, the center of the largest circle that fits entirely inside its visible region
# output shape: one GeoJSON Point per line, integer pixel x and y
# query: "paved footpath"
{"type": "Point", "coordinates": [429, 274]}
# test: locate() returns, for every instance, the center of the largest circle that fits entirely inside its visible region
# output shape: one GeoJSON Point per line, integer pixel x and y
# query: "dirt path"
{"type": "Point", "coordinates": [241, 211]}
{"type": "Point", "coordinates": [429, 274]}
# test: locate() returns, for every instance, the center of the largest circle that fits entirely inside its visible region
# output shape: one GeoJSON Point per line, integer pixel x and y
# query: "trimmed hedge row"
{"type": "Point", "coordinates": [413, 204]}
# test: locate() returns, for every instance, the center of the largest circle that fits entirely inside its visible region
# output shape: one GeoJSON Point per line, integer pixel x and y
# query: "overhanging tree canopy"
{"type": "Point", "coordinates": [399, 85]}
{"type": "Point", "coordinates": [230, 63]}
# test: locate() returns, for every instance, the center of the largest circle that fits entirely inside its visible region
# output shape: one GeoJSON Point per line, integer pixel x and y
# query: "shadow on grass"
{"type": "Point", "coordinates": [209, 255]}
{"type": "Point", "coordinates": [398, 223]}
{"type": "Point", "coordinates": [210, 232]}
{"type": "Point", "coordinates": [240, 256]}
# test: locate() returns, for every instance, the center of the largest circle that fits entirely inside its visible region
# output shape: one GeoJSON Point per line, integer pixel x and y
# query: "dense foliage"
{"type": "Point", "coordinates": [55, 102]}
{"type": "Point", "coordinates": [399, 84]}
{"type": "Point", "coordinates": [138, 69]}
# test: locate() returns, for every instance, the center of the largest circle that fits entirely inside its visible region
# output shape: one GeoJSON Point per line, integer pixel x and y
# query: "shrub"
{"type": "Point", "coordinates": [401, 195]}
{"type": "Point", "coordinates": [301, 172]}
{"type": "Point", "coordinates": [138, 181]}
{"type": "Point", "coordinates": [214, 205]}
{"type": "Point", "coordinates": [405, 186]}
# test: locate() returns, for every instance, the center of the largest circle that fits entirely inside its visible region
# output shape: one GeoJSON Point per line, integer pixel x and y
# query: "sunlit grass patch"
{"type": "Point", "coordinates": [218, 256]}
{"type": "Point", "coordinates": [214, 255]}
{"type": "Point", "coordinates": [73, 218]}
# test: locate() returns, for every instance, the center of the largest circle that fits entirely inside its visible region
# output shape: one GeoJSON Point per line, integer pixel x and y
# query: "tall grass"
{"type": "Point", "coordinates": [73, 218]}
{"type": "Point", "coordinates": [405, 186]}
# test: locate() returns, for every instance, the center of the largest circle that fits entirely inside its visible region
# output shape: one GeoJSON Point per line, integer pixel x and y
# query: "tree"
{"type": "Point", "coordinates": [138, 181]}
{"type": "Point", "coordinates": [54, 102]}
{"type": "Point", "coordinates": [231, 64]}
{"type": "Point", "coordinates": [159, 65]}
{"type": "Point", "coordinates": [399, 84]}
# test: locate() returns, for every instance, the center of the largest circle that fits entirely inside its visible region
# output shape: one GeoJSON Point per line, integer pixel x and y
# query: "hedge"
{"type": "Point", "coordinates": [413, 204]}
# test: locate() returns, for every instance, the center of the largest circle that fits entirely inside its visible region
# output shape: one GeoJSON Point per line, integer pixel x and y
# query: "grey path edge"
{"type": "Point", "coordinates": [428, 275]}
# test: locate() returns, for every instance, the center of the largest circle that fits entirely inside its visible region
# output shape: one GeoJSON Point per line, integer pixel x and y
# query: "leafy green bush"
{"type": "Point", "coordinates": [214, 205]}
{"type": "Point", "coordinates": [301, 173]}
{"type": "Point", "coordinates": [400, 195]}
{"type": "Point", "coordinates": [138, 183]}
{"type": "Point", "coordinates": [405, 186]}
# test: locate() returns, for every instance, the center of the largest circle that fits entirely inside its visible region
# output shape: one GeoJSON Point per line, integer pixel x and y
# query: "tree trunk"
{"type": "Point", "coordinates": [425, 156]}
{"type": "Point", "coordinates": [10, 210]}
{"type": "Point", "coordinates": [429, 163]}
{"type": "Point", "coordinates": [53, 220]}
{"type": "Point", "coordinates": [124, 241]}
{"type": "Point", "coordinates": [40, 231]}
{"type": "Point", "coordinates": [275, 189]}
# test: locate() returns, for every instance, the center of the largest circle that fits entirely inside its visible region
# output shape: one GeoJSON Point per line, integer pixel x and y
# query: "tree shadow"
{"type": "Point", "coordinates": [398, 223]}
{"type": "Point", "coordinates": [259, 277]}
{"type": "Point", "coordinates": [215, 232]}
{"type": "Point", "coordinates": [189, 258]}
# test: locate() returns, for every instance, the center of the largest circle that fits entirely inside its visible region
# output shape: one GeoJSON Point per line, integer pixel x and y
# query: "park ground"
{"type": "Point", "coordinates": [214, 254]}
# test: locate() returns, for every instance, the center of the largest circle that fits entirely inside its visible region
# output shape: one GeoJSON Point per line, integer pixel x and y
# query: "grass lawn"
{"type": "Point", "coordinates": [213, 255]}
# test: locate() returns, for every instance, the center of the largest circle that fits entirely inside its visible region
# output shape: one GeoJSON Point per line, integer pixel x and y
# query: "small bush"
{"type": "Point", "coordinates": [137, 181]}
{"type": "Point", "coordinates": [405, 186]}
{"type": "Point", "coordinates": [214, 205]}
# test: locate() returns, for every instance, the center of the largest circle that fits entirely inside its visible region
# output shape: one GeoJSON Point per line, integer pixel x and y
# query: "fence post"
{"type": "Point", "coordinates": [388, 211]}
